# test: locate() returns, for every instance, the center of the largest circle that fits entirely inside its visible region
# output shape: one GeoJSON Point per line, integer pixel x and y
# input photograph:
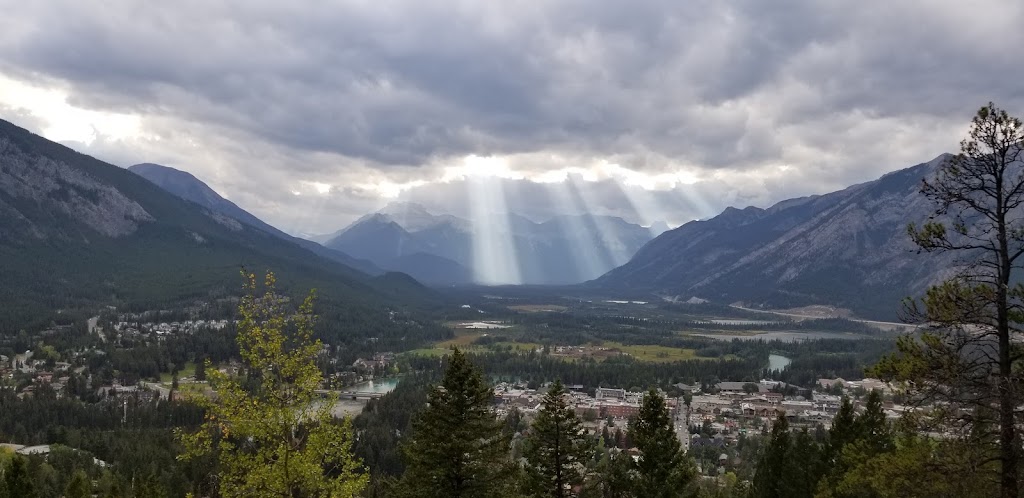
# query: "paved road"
{"type": "Point", "coordinates": [887, 326]}
{"type": "Point", "coordinates": [93, 327]}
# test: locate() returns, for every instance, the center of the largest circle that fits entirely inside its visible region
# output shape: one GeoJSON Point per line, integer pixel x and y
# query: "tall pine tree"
{"type": "Point", "coordinates": [771, 479]}
{"type": "Point", "coordinates": [557, 447]}
{"type": "Point", "coordinates": [457, 449]}
{"type": "Point", "coordinates": [662, 469]}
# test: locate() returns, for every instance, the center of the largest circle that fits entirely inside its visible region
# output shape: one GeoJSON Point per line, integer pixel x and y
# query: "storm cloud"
{"type": "Point", "coordinates": [310, 114]}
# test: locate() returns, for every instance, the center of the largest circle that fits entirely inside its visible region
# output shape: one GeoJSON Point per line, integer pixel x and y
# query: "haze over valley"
{"type": "Point", "coordinates": [579, 249]}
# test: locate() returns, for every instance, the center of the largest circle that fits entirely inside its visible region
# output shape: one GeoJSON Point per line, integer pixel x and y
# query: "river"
{"type": "Point", "coordinates": [352, 407]}
{"type": "Point", "coordinates": [778, 362]}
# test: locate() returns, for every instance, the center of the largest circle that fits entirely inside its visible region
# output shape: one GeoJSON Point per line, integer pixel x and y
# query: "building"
{"type": "Point", "coordinates": [605, 393]}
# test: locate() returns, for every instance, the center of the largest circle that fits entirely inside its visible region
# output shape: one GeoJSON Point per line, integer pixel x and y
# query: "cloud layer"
{"type": "Point", "coordinates": [700, 104]}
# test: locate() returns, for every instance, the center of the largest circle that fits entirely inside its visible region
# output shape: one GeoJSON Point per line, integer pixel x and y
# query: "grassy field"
{"type": "Point", "coordinates": [653, 353]}
{"type": "Point", "coordinates": [187, 371]}
{"type": "Point", "coordinates": [537, 308]}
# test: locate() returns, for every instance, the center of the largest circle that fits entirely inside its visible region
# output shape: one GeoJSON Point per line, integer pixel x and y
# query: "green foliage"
{"type": "Point", "coordinates": [457, 448]}
{"type": "Point", "coordinates": [270, 435]}
{"type": "Point", "coordinates": [662, 469]}
{"type": "Point", "coordinates": [772, 478]}
{"type": "Point", "coordinates": [18, 480]}
{"type": "Point", "coordinates": [80, 486]}
{"type": "Point", "coordinates": [558, 446]}
{"type": "Point", "coordinates": [969, 361]}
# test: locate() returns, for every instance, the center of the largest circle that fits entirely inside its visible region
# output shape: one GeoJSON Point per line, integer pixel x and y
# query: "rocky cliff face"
{"type": "Point", "coordinates": [78, 232]}
{"type": "Point", "coordinates": [42, 197]}
{"type": "Point", "coordinates": [847, 248]}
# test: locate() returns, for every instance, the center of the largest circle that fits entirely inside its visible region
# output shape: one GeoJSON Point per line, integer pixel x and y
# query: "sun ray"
{"type": "Point", "coordinates": [589, 263]}
{"type": "Point", "coordinates": [494, 252]}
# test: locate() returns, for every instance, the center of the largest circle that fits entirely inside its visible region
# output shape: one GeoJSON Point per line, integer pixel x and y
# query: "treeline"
{"type": "Point", "coordinates": [131, 435]}
{"type": "Point", "coordinates": [863, 455]}
{"type": "Point", "coordinates": [736, 360]}
{"type": "Point", "coordinates": [456, 447]}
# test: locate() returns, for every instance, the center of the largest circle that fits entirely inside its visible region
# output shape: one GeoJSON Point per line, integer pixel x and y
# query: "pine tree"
{"type": "Point", "coordinates": [18, 481]}
{"type": "Point", "coordinates": [872, 428]}
{"type": "Point", "coordinates": [457, 449]}
{"type": "Point", "coordinates": [272, 436]}
{"type": "Point", "coordinates": [201, 370]}
{"type": "Point", "coordinates": [772, 479]}
{"type": "Point", "coordinates": [662, 470]}
{"type": "Point", "coordinates": [557, 447]}
{"type": "Point", "coordinates": [842, 432]}
{"type": "Point", "coordinates": [80, 486]}
{"type": "Point", "coordinates": [150, 487]}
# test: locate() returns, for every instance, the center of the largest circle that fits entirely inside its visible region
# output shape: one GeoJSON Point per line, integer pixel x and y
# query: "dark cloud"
{"type": "Point", "coordinates": [260, 97]}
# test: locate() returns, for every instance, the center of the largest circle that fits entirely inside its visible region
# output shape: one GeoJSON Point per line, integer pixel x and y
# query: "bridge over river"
{"type": "Point", "coordinates": [350, 394]}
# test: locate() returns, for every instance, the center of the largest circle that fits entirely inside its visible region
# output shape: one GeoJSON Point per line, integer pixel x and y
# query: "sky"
{"type": "Point", "coordinates": [311, 114]}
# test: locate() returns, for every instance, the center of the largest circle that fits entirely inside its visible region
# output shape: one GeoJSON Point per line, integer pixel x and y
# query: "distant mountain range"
{"type": "Point", "coordinates": [75, 231]}
{"type": "Point", "coordinates": [848, 248]}
{"type": "Point", "coordinates": [445, 249]}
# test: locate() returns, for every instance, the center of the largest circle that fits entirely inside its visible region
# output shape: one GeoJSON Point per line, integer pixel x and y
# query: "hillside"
{"type": "Point", "coordinates": [847, 248]}
{"type": "Point", "coordinates": [190, 188]}
{"type": "Point", "coordinates": [75, 231]}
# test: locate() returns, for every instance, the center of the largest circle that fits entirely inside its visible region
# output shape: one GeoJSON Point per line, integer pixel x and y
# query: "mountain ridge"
{"type": "Point", "coordinates": [846, 248]}
{"type": "Point", "coordinates": [186, 186]}
{"type": "Point", "coordinates": [79, 232]}
{"type": "Point", "coordinates": [566, 249]}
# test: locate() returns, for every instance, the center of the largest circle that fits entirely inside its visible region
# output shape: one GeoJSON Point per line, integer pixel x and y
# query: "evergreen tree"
{"type": "Point", "coordinates": [772, 479]}
{"type": "Point", "coordinates": [201, 370]}
{"type": "Point", "coordinates": [18, 481]}
{"type": "Point", "coordinates": [967, 358]}
{"type": "Point", "coordinates": [662, 469]}
{"type": "Point", "coordinates": [613, 477]}
{"type": "Point", "coordinates": [804, 469]}
{"type": "Point", "coordinates": [457, 449]}
{"type": "Point", "coordinates": [872, 428]}
{"type": "Point", "coordinates": [270, 435]}
{"type": "Point", "coordinates": [150, 487]}
{"type": "Point", "coordinates": [557, 446]}
{"type": "Point", "coordinates": [842, 432]}
{"type": "Point", "coordinates": [80, 486]}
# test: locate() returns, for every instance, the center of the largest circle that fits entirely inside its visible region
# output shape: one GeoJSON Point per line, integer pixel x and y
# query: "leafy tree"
{"type": "Point", "coordinates": [557, 447]}
{"type": "Point", "coordinates": [966, 360]}
{"type": "Point", "coordinates": [17, 478]}
{"type": "Point", "coordinates": [457, 448]}
{"type": "Point", "coordinates": [271, 437]}
{"type": "Point", "coordinates": [80, 486]}
{"type": "Point", "coordinates": [662, 469]}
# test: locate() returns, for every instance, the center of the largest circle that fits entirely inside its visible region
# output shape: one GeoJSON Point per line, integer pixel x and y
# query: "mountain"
{"type": "Point", "coordinates": [77, 232]}
{"type": "Point", "coordinates": [563, 250]}
{"type": "Point", "coordinates": [190, 188]}
{"type": "Point", "coordinates": [848, 248]}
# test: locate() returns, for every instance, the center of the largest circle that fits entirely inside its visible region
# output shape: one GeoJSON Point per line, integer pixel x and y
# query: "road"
{"type": "Point", "coordinates": [886, 326]}
{"type": "Point", "coordinates": [93, 327]}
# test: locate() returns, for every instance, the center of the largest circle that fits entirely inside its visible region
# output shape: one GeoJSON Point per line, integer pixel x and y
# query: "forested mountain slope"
{"type": "Point", "coordinates": [76, 231]}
